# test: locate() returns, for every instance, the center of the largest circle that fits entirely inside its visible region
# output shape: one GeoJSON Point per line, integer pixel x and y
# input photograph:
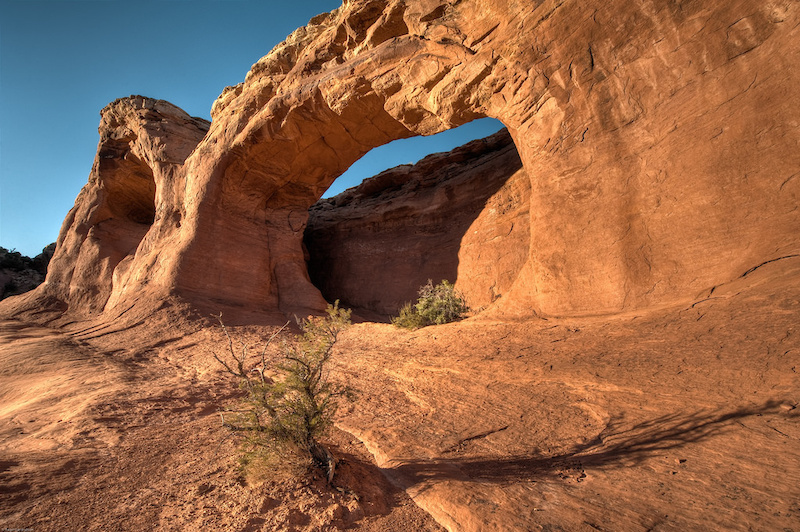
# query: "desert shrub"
{"type": "Point", "coordinates": [409, 318]}
{"type": "Point", "coordinates": [436, 305]}
{"type": "Point", "coordinates": [13, 260]}
{"type": "Point", "coordinates": [289, 405]}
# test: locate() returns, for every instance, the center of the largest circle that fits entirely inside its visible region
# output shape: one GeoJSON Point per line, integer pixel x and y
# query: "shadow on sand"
{"type": "Point", "coordinates": [618, 445]}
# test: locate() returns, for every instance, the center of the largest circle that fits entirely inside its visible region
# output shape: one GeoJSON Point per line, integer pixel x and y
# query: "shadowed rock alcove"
{"type": "Point", "coordinates": [460, 216]}
{"type": "Point", "coordinates": [131, 189]}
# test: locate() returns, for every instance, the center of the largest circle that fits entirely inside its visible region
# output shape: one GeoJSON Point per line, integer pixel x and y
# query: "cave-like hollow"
{"type": "Point", "coordinates": [460, 215]}
{"type": "Point", "coordinates": [127, 209]}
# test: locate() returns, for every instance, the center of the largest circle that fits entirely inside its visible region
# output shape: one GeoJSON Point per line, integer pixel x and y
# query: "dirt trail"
{"type": "Point", "coordinates": [684, 418]}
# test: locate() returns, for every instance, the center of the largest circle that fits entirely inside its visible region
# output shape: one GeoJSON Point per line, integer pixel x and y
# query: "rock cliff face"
{"type": "Point", "coordinates": [132, 193]}
{"type": "Point", "coordinates": [460, 216]}
{"type": "Point", "coordinates": [660, 140]}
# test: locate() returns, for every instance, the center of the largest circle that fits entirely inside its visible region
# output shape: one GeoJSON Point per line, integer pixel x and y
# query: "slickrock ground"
{"type": "Point", "coordinates": [683, 418]}
{"type": "Point", "coordinates": [97, 436]}
{"type": "Point", "coordinates": [680, 419]}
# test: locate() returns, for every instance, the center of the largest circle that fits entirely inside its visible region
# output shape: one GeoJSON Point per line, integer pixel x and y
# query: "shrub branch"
{"type": "Point", "coordinates": [286, 415]}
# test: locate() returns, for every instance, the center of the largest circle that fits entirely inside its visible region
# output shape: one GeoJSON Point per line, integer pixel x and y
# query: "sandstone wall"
{"type": "Point", "coordinates": [460, 216]}
{"type": "Point", "coordinates": [660, 139]}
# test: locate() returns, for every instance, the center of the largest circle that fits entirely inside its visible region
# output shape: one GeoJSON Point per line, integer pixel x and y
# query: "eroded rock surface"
{"type": "Point", "coordinates": [660, 144]}
{"type": "Point", "coordinates": [134, 183]}
{"type": "Point", "coordinates": [460, 216]}
{"type": "Point", "coordinates": [684, 418]}
{"type": "Point", "coordinates": [670, 419]}
{"type": "Point", "coordinates": [660, 140]}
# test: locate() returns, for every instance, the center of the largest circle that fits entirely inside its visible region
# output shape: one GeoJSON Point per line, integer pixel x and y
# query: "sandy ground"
{"type": "Point", "coordinates": [99, 437]}
{"type": "Point", "coordinates": [683, 418]}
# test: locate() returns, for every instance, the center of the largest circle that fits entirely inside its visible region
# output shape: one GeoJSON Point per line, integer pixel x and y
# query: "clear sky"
{"type": "Point", "coordinates": [62, 61]}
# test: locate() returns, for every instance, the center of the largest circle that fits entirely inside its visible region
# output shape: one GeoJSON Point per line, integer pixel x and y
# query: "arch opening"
{"type": "Point", "coordinates": [410, 151]}
{"type": "Point", "coordinates": [124, 211]}
{"type": "Point", "coordinates": [128, 208]}
{"type": "Point", "coordinates": [460, 215]}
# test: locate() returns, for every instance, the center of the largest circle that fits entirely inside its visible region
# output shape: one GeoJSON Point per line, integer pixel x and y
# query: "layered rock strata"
{"type": "Point", "coordinates": [460, 216]}
{"type": "Point", "coordinates": [660, 139]}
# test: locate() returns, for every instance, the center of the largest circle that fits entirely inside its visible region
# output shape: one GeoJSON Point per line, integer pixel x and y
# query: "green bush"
{"type": "Point", "coordinates": [436, 305]}
{"type": "Point", "coordinates": [290, 405]}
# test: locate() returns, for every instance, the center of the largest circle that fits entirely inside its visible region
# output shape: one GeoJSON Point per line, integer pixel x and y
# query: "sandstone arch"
{"type": "Point", "coordinates": [660, 139]}
{"type": "Point", "coordinates": [461, 216]}
{"type": "Point", "coordinates": [279, 140]}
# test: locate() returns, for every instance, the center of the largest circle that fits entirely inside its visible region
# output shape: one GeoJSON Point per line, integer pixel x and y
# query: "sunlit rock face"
{"type": "Point", "coordinates": [660, 140]}
{"type": "Point", "coordinates": [130, 203]}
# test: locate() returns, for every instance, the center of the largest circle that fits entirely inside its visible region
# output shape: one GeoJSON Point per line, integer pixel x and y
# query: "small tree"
{"type": "Point", "coordinates": [436, 305]}
{"type": "Point", "coordinates": [289, 406]}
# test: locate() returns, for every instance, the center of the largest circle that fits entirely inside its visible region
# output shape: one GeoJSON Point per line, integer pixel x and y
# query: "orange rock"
{"type": "Point", "coordinates": [130, 202]}
{"type": "Point", "coordinates": [460, 216]}
{"type": "Point", "coordinates": [660, 142]}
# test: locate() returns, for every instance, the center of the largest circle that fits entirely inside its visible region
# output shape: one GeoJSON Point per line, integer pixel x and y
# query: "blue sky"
{"type": "Point", "coordinates": [61, 61]}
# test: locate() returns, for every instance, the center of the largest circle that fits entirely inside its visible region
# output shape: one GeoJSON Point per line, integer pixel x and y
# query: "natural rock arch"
{"type": "Point", "coordinates": [279, 140]}
{"type": "Point", "coordinates": [460, 215]}
{"type": "Point", "coordinates": [660, 139]}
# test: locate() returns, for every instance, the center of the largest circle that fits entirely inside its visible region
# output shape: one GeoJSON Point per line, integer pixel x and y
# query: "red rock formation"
{"type": "Point", "coordinates": [661, 141]}
{"type": "Point", "coordinates": [143, 143]}
{"type": "Point", "coordinates": [460, 216]}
